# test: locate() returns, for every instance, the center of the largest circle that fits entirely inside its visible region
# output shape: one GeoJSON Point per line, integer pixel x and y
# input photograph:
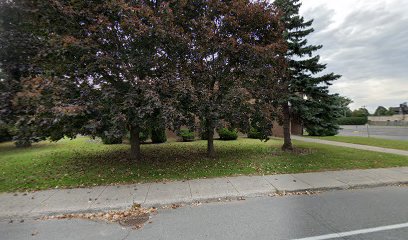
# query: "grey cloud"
{"type": "Point", "coordinates": [370, 50]}
{"type": "Point", "coordinates": [323, 16]}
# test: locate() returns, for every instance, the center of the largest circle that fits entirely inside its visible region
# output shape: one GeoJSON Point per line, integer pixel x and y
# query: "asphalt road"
{"type": "Point", "coordinates": [375, 214]}
{"type": "Point", "coordinates": [385, 132]}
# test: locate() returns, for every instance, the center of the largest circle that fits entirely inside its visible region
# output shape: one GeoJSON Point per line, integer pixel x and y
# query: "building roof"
{"type": "Point", "coordinates": [402, 109]}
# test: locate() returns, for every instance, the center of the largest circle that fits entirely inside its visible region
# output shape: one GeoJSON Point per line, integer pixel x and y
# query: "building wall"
{"type": "Point", "coordinates": [398, 117]}
{"type": "Point", "coordinates": [296, 128]}
{"type": "Point", "coordinates": [389, 123]}
{"type": "Point", "coordinates": [171, 134]}
{"type": "Point", "coordinates": [394, 120]}
{"type": "Point", "coordinates": [277, 130]}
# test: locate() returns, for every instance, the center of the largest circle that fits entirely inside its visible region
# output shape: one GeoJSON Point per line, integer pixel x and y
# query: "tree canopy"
{"type": "Point", "coordinates": [382, 111]}
{"type": "Point", "coordinates": [361, 112]}
{"type": "Point", "coordinates": [115, 68]}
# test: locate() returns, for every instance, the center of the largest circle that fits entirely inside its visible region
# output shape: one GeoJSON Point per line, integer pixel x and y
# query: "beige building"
{"type": "Point", "coordinates": [400, 117]}
{"type": "Point", "coordinates": [394, 120]}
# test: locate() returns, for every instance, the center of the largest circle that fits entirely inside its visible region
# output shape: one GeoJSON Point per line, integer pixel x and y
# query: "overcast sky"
{"type": "Point", "coordinates": [365, 41]}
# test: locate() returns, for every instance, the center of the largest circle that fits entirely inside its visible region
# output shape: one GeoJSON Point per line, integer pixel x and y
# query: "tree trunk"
{"type": "Point", "coordinates": [135, 153]}
{"type": "Point", "coordinates": [287, 141]}
{"type": "Point", "coordinates": [210, 142]}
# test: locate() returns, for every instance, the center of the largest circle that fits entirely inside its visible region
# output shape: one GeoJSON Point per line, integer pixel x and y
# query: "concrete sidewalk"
{"type": "Point", "coordinates": [103, 198]}
{"type": "Point", "coordinates": [352, 145]}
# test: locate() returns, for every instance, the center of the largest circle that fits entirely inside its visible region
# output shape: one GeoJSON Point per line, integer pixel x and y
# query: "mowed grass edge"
{"type": "Point", "coordinates": [370, 141]}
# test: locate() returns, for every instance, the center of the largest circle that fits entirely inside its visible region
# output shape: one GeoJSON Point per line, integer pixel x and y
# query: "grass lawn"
{"type": "Point", "coordinates": [86, 162]}
{"type": "Point", "coordinates": [377, 142]}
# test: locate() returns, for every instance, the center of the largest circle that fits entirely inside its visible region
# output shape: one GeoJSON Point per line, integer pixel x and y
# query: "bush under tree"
{"type": "Point", "coordinates": [111, 140]}
{"type": "Point", "coordinates": [6, 133]}
{"type": "Point", "coordinates": [227, 134]}
{"type": "Point", "coordinates": [187, 135]}
{"type": "Point", "coordinates": [254, 134]}
{"type": "Point", "coordinates": [158, 135]}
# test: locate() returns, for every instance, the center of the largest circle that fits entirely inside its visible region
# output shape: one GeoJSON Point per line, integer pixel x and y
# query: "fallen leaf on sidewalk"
{"type": "Point", "coordinates": [196, 204]}
{"type": "Point", "coordinates": [134, 217]}
{"type": "Point", "coordinates": [174, 206]}
{"type": "Point", "coordinates": [284, 193]}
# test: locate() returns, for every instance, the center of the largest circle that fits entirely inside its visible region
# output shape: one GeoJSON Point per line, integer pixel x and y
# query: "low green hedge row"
{"type": "Point", "coordinates": [187, 135]}
{"type": "Point", "coordinates": [352, 121]}
{"type": "Point", "coordinates": [227, 134]}
{"type": "Point", "coordinates": [254, 134]}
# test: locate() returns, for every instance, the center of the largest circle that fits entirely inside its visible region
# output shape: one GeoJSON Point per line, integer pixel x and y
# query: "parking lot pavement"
{"type": "Point", "coordinates": [385, 132]}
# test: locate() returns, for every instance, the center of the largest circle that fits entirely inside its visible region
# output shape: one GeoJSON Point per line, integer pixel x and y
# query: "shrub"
{"type": "Point", "coordinates": [111, 140]}
{"type": "Point", "coordinates": [23, 143]}
{"type": "Point", "coordinates": [255, 134]}
{"type": "Point", "coordinates": [227, 134]}
{"type": "Point", "coordinates": [6, 133]}
{"type": "Point", "coordinates": [203, 134]}
{"type": "Point", "coordinates": [322, 132]}
{"type": "Point", "coordinates": [352, 121]}
{"type": "Point", "coordinates": [187, 135]}
{"type": "Point", "coordinates": [144, 135]}
{"type": "Point", "coordinates": [159, 135]}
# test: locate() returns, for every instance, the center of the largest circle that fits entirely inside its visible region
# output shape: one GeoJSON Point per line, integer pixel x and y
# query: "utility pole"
{"type": "Point", "coordinates": [368, 129]}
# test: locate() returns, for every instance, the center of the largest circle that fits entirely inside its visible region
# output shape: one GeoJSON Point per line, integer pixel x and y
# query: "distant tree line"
{"type": "Point", "coordinates": [116, 68]}
{"type": "Point", "coordinates": [382, 111]}
{"type": "Point", "coordinates": [360, 116]}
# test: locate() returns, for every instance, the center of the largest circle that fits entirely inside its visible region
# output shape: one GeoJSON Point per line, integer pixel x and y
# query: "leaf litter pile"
{"type": "Point", "coordinates": [134, 217]}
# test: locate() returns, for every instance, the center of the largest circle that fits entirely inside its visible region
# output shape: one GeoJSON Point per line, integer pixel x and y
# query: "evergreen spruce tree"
{"type": "Point", "coordinates": [306, 93]}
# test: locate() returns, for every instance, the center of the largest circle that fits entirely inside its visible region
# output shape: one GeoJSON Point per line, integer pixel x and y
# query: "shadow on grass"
{"type": "Point", "coordinates": [7, 147]}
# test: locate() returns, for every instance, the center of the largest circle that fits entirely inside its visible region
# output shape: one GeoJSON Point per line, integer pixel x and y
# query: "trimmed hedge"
{"type": "Point", "coordinates": [111, 140]}
{"type": "Point", "coordinates": [144, 135]}
{"type": "Point", "coordinates": [159, 135]}
{"type": "Point", "coordinates": [6, 133]}
{"type": "Point", "coordinates": [187, 135]}
{"type": "Point", "coordinates": [203, 134]}
{"type": "Point", "coordinates": [227, 134]}
{"type": "Point", "coordinates": [254, 134]}
{"type": "Point", "coordinates": [352, 121]}
{"type": "Point", "coordinates": [321, 131]}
